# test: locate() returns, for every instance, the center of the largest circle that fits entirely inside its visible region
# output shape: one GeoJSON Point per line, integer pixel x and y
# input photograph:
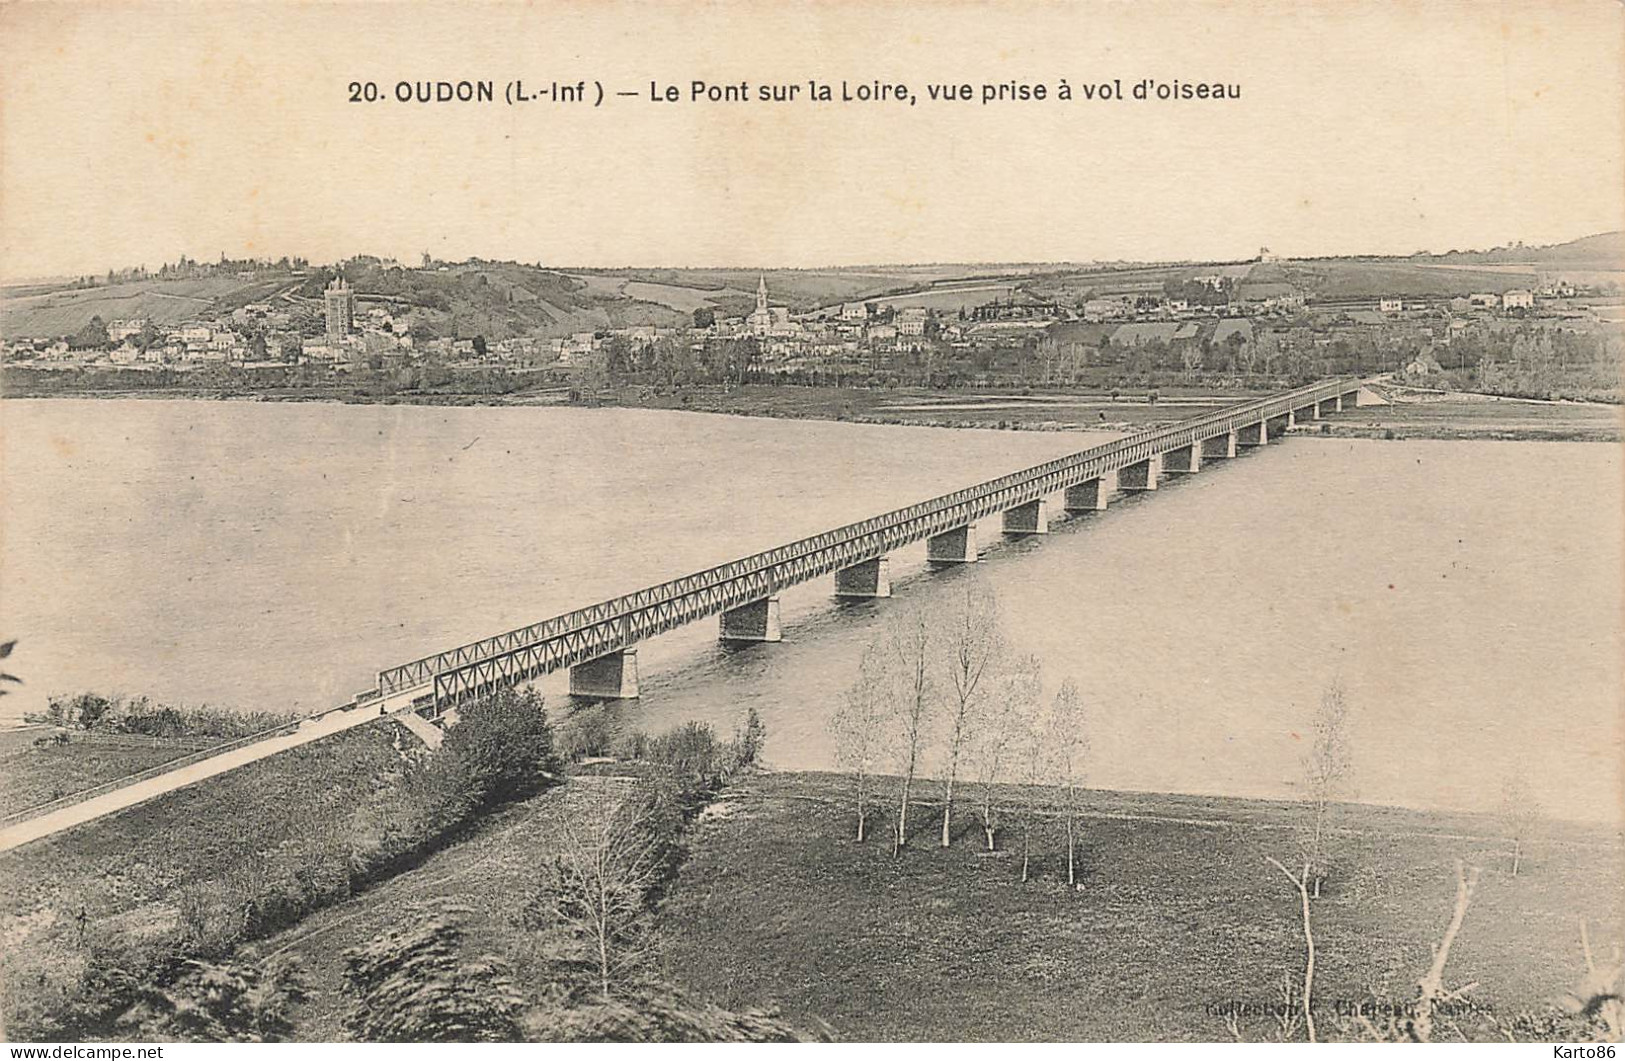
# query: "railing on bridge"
{"type": "Point", "coordinates": [600, 629]}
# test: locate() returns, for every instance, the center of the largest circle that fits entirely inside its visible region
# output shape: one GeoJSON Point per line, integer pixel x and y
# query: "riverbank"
{"type": "Point", "coordinates": [1413, 412]}
{"type": "Point", "coordinates": [1409, 412]}
{"type": "Point", "coordinates": [1450, 415]}
{"type": "Point", "coordinates": [1177, 915]}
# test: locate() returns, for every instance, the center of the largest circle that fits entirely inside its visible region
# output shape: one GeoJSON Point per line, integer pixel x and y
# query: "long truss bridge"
{"type": "Point", "coordinates": [599, 643]}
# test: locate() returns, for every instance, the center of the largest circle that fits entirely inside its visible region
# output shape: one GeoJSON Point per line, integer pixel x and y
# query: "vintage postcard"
{"type": "Point", "coordinates": [811, 520]}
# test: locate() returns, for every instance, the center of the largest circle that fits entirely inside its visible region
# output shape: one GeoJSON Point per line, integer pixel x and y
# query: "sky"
{"type": "Point", "coordinates": [134, 133]}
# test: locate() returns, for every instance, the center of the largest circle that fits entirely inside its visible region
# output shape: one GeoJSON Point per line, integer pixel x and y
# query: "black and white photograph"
{"type": "Point", "coordinates": [826, 521]}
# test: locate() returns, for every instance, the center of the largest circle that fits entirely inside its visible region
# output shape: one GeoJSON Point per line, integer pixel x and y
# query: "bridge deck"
{"type": "Point", "coordinates": [615, 625]}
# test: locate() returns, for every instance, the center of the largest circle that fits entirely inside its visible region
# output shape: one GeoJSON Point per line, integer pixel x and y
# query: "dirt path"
{"type": "Point", "coordinates": [120, 798]}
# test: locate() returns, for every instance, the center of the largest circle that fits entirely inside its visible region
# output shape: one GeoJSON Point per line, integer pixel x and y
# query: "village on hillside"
{"type": "Point", "coordinates": [289, 323]}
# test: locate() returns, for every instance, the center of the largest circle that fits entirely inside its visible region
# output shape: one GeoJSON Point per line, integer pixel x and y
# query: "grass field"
{"type": "Point", "coordinates": [35, 775]}
{"type": "Point", "coordinates": [1040, 410]}
{"type": "Point", "coordinates": [1378, 277]}
{"type": "Point", "coordinates": [1475, 416]}
{"type": "Point", "coordinates": [776, 906]}
{"type": "Point", "coordinates": [1325, 279]}
{"type": "Point", "coordinates": [951, 300]}
{"type": "Point", "coordinates": [800, 289]}
{"type": "Point", "coordinates": [493, 872]}
{"type": "Point", "coordinates": [129, 873]}
{"type": "Point", "coordinates": [1177, 911]}
{"type": "Point", "coordinates": [1418, 415]}
{"type": "Point", "coordinates": [1069, 285]}
{"type": "Point", "coordinates": [64, 312]}
{"type": "Point", "coordinates": [137, 858]}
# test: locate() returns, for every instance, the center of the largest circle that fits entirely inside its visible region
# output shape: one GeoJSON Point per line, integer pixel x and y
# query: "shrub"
{"type": "Point", "coordinates": [85, 1004]}
{"type": "Point", "coordinates": [160, 720]}
{"type": "Point", "coordinates": [88, 709]}
{"type": "Point", "coordinates": [139, 715]}
{"type": "Point", "coordinates": [434, 798]}
{"type": "Point", "coordinates": [692, 753]}
{"type": "Point", "coordinates": [218, 1002]}
{"type": "Point", "coordinates": [750, 740]}
{"type": "Point", "coordinates": [591, 732]}
{"type": "Point", "coordinates": [633, 745]}
{"type": "Point", "coordinates": [504, 746]}
{"type": "Point", "coordinates": [413, 985]}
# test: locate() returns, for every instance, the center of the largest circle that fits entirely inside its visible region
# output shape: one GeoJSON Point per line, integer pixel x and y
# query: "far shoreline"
{"type": "Point", "coordinates": [1413, 413]}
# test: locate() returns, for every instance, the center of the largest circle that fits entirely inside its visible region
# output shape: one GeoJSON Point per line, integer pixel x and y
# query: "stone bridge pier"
{"type": "Point", "coordinates": [1141, 475]}
{"type": "Point", "coordinates": [1183, 461]}
{"type": "Point", "coordinates": [1219, 447]}
{"type": "Point", "coordinates": [1253, 434]}
{"type": "Point", "coordinates": [430, 734]}
{"type": "Point", "coordinates": [1091, 495]}
{"type": "Point", "coordinates": [756, 621]}
{"type": "Point", "coordinates": [872, 578]}
{"type": "Point", "coordinates": [611, 677]}
{"type": "Point", "coordinates": [957, 546]}
{"type": "Point", "coordinates": [1031, 518]}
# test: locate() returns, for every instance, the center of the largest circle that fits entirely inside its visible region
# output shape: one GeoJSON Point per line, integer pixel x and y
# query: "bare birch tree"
{"type": "Point", "coordinates": [901, 670]}
{"type": "Point", "coordinates": [1190, 356]}
{"type": "Point", "coordinates": [1068, 739]}
{"type": "Point", "coordinates": [1417, 1023]}
{"type": "Point", "coordinates": [1431, 992]}
{"type": "Point", "coordinates": [998, 743]}
{"type": "Point", "coordinates": [1034, 761]}
{"type": "Point", "coordinates": [858, 728]}
{"type": "Point", "coordinates": [1519, 812]}
{"type": "Point", "coordinates": [1326, 769]}
{"type": "Point", "coordinates": [972, 649]}
{"type": "Point", "coordinates": [1301, 884]}
{"type": "Point", "coordinates": [609, 857]}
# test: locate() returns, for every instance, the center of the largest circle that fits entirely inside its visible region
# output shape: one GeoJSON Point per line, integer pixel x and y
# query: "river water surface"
{"type": "Point", "coordinates": [260, 555]}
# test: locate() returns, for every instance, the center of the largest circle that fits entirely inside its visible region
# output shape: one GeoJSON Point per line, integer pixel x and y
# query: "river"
{"type": "Point", "coordinates": [266, 555]}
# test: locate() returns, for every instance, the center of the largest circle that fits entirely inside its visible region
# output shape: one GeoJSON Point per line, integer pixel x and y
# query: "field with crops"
{"type": "Point", "coordinates": [65, 311]}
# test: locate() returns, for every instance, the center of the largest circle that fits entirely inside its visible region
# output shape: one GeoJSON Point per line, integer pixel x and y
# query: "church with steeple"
{"type": "Point", "coordinates": [767, 320]}
{"type": "Point", "coordinates": [760, 322]}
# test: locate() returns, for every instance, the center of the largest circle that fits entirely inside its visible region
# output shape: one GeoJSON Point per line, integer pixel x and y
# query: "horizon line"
{"type": "Point", "coordinates": [8, 280]}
